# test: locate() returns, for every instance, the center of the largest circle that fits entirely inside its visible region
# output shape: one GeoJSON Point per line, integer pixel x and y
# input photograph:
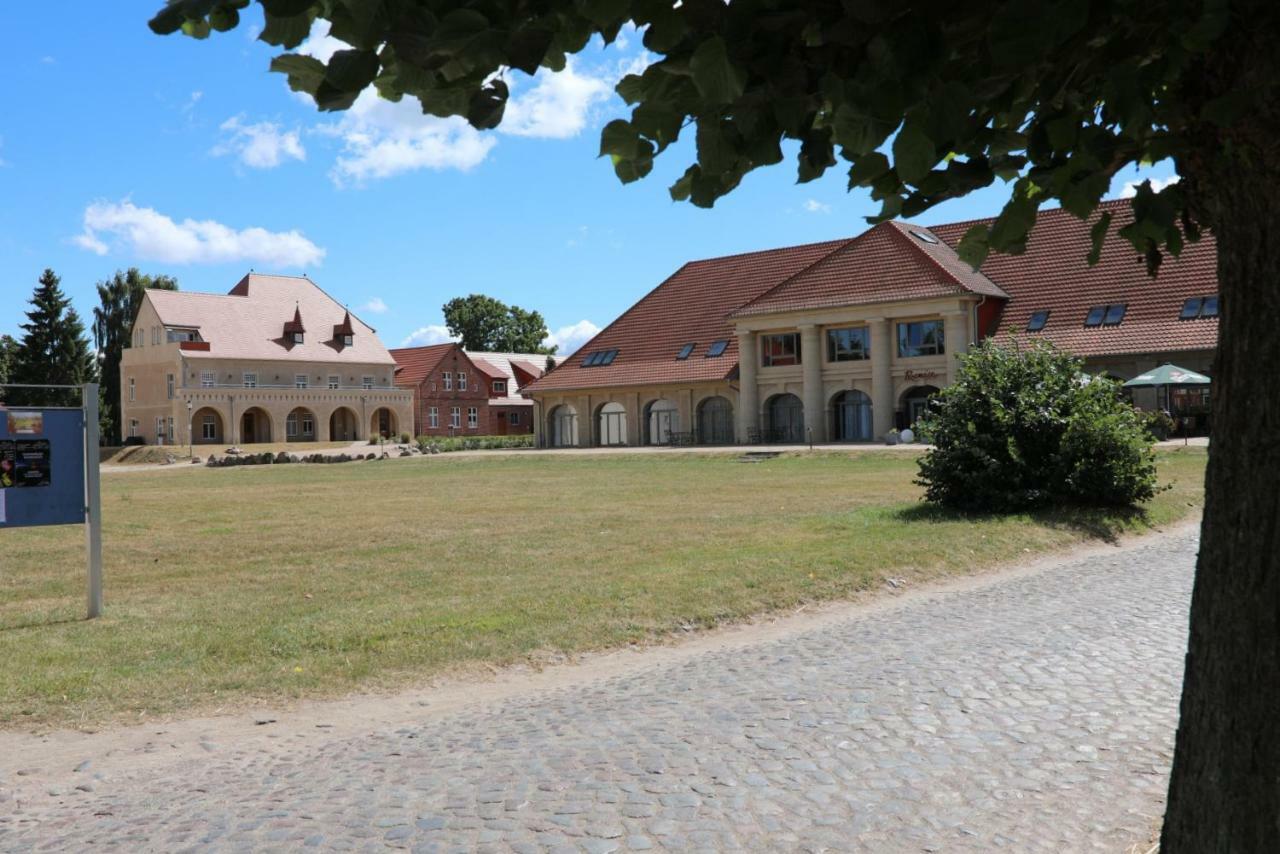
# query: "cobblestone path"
{"type": "Point", "coordinates": [1032, 713]}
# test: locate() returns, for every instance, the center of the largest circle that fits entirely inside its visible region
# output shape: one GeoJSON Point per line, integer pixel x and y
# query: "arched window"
{"type": "Point", "coordinates": [784, 419]}
{"type": "Point", "coordinates": [661, 419]}
{"type": "Point", "coordinates": [715, 422]}
{"type": "Point", "coordinates": [612, 424]}
{"type": "Point", "coordinates": [562, 426]}
{"type": "Point", "coordinates": [851, 417]}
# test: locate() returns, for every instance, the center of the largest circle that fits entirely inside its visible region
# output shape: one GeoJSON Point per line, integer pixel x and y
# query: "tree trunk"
{"type": "Point", "coordinates": [1224, 794]}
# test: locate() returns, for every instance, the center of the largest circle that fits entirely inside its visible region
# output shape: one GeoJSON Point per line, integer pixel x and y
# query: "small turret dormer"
{"type": "Point", "coordinates": [344, 334]}
{"type": "Point", "coordinates": [294, 331]}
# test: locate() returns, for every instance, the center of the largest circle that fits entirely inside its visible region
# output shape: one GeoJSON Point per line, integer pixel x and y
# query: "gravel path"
{"type": "Point", "coordinates": [1032, 713]}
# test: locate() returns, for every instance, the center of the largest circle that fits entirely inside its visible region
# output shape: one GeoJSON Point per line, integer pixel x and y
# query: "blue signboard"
{"type": "Point", "coordinates": [42, 476]}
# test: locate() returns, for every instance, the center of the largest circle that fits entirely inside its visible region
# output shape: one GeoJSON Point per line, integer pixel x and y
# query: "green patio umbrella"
{"type": "Point", "coordinates": [1168, 375]}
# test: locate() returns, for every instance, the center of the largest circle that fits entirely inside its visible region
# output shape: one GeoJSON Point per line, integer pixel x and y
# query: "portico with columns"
{"type": "Point", "coordinates": [888, 368]}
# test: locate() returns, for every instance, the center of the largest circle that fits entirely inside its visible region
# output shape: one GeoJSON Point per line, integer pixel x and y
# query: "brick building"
{"type": "Point", "coordinates": [461, 393]}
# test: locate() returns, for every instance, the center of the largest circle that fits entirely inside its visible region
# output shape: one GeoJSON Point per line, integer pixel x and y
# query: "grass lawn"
{"type": "Point", "coordinates": [228, 585]}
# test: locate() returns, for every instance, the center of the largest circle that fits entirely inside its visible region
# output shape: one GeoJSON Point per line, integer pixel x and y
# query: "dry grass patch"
{"type": "Point", "coordinates": [248, 583]}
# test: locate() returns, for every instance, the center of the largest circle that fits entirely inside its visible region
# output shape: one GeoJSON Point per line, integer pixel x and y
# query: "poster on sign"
{"type": "Point", "coordinates": [33, 463]}
{"type": "Point", "coordinates": [8, 465]}
{"type": "Point", "coordinates": [26, 423]}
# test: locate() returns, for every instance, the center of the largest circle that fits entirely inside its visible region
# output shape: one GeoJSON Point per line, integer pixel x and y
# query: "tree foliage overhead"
{"type": "Point", "coordinates": [53, 349]}
{"type": "Point", "coordinates": [487, 324]}
{"type": "Point", "coordinates": [119, 299]}
{"type": "Point", "coordinates": [919, 102]}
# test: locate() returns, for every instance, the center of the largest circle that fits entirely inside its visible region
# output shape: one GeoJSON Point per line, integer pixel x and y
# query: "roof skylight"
{"type": "Point", "coordinates": [685, 351]}
{"type": "Point", "coordinates": [1038, 320]}
{"type": "Point", "coordinates": [717, 348]}
{"type": "Point", "coordinates": [924, 236]}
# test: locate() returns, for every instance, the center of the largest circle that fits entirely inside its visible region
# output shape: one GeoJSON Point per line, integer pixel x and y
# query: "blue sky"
{"type": "Point", "coordinates": [120, 148]}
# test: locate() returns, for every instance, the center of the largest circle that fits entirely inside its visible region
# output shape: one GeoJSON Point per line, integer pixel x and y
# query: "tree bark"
{"type": "Point", "coordinates": [1224, 793]}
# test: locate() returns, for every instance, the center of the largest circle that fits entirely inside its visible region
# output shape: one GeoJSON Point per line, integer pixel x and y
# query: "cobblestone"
{"type": "Point", "coordinates": [1032, 713]}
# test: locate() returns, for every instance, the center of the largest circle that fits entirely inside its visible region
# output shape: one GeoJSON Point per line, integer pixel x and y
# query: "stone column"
{"type": "Point", "coordinates": [748, 390]}
{"type": "Point", "coordinates": [583, 405]}
{"type": "Point", "coordinates": [881, 378]}
{"type": "Point", "coordinates": [815, 410]}
{"type": "Point", "coordinates": [956, 331]}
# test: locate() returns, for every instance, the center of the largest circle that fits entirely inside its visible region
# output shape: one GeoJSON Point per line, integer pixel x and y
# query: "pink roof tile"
{"type": "Point", "coordinates": [248, 322]}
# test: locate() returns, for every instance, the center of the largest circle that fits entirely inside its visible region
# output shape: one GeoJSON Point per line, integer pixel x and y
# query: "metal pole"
{"type": "Point", "coordinates": [92, 497]}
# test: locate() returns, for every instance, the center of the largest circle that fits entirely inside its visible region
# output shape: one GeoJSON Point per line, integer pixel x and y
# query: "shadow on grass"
{"type": "Point", "coordinates": [1097, 523]}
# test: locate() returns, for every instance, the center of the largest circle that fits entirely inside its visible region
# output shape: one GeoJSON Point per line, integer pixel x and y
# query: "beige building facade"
{"type": "Point", "coordinates": [276, 360]}
{"type": "Point", "coordinates": [847, 340]}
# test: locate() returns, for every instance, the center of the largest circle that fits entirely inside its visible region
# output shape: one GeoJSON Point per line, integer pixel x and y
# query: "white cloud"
{"type": "Point", "coordinates": [570, 338]}
{"type": "Point", "coordinates": [375, 306]}
{"type": "Point", "coordinates": [433, 334]}
{"type": "Point", "coordinates": [383, 138]}
{"type": "Point", "coordinates": [261, 146]}
{"type": "Point", "coordinates": [558, 105]}
{"type": "Point", "coordinates": [320, 44]}
{"type": "Point", "coordinates": [150, 235]}
{"type": "Point", "coordinates": [1157, 184]}
{"type": "Point", "coordinates": [815, 206]}
{"type": "Point", "coordinates": [48, 60]}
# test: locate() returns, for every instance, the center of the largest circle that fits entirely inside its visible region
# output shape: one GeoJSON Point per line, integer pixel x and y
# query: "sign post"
{"type": "Point", "coordinates": [49, 472]}
{"type": "Point", "coordinates": [92, 497]}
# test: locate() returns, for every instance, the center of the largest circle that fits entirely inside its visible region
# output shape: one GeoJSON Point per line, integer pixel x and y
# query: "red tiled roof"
{"type": "Point", "coordinates": [690, 307]}
{"type": "Point", "coordinates": [889, 262]}
{"type": "Point", "coordinates": [1053, 275]}
{"type": "Point", "coordinates": [413, 364]}
{"type": "Point", "coordinates": [487, 369]}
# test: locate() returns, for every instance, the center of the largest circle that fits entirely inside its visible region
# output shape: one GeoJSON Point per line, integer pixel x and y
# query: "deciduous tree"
{"type": "Point", "coordinates": [119, 299]}
{"type": "Point", "coordinates": [484, 323]}
{"type": "Point", "coordinates": [920, 102]}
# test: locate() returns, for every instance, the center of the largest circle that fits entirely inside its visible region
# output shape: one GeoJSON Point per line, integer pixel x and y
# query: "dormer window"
{"type": "Point", "coordinates": [344, 334]}
{"type": "Point", "coordinates": [293, 329]}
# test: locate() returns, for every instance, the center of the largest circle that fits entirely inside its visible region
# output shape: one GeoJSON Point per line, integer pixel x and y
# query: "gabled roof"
{"type": "Point", "coordinates": [1054, 275]}
{"type": "Point", "coordinates": [487, 369]}
{"type": "Point", "coordinates": [889, 262]}
{"type": "Point", "coordinates": [247, 323]}
{"type": "Point", "coordinates": [690, 307]}
{"type": "Point", "coordinates": [415, 364]}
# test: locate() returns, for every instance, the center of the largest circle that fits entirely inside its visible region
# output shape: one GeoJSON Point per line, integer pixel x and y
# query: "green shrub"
{"type": "Point", "coordinates": [445, 444]}
{"type": "Point", "coordinates": [1025, 427]}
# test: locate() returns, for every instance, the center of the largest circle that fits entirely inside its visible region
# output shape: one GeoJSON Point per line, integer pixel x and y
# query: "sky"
{"type": "Point", "coordinates": [120, 148]}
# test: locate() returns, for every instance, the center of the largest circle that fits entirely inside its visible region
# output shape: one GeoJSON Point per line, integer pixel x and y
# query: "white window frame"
{"type": "Point", "coordinates": [208, 379]}
{"type": "Point", "coordinates": [366, 382]}
{"type": "Point", "coordinates": [308, 425]}
{"type": "Point", "coordinates": [473, 417]}
{"type": "Point", "coordinates": [250, 379]}
{"type": "Point", "coordinates": [209, 427]}
{"type": "Point", "coordinates": [299, 380]}
{"type": "Point", "coordinates": [447, 379]}
{"type": "Point", "coordinates": [462, 380]}
{"type": "Point", "coordinates": [433, 417]}
{"type": "Point", "coordinates": [348, 340]}
{"type": "Point", "coordinates": [455, 417]}
{"type": "Point", "coordinates": [171, 432]}
{"type": "Point", "coordinates": [291, 426]}
{"type": "Point", "coordinates": [168, 386]}
{"type": "Point", "coordinates": [513, 418]}
{"type": "Point", "coordinates": [335, 381]}
{"type": "Point", "coordinates": [297, 337]}
{"type": "Point", "coordinates": [159, 429]}
{"type": "Point", "coordinates": [133, 390]}
{"type": "Point", "coordinates": [499, 386]}
{"type": "Point", "coordinates": [133, 427]}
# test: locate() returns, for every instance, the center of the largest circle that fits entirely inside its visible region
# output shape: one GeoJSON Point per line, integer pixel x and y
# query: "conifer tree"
{"type": "Point", "coordinates": [53, 350]}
